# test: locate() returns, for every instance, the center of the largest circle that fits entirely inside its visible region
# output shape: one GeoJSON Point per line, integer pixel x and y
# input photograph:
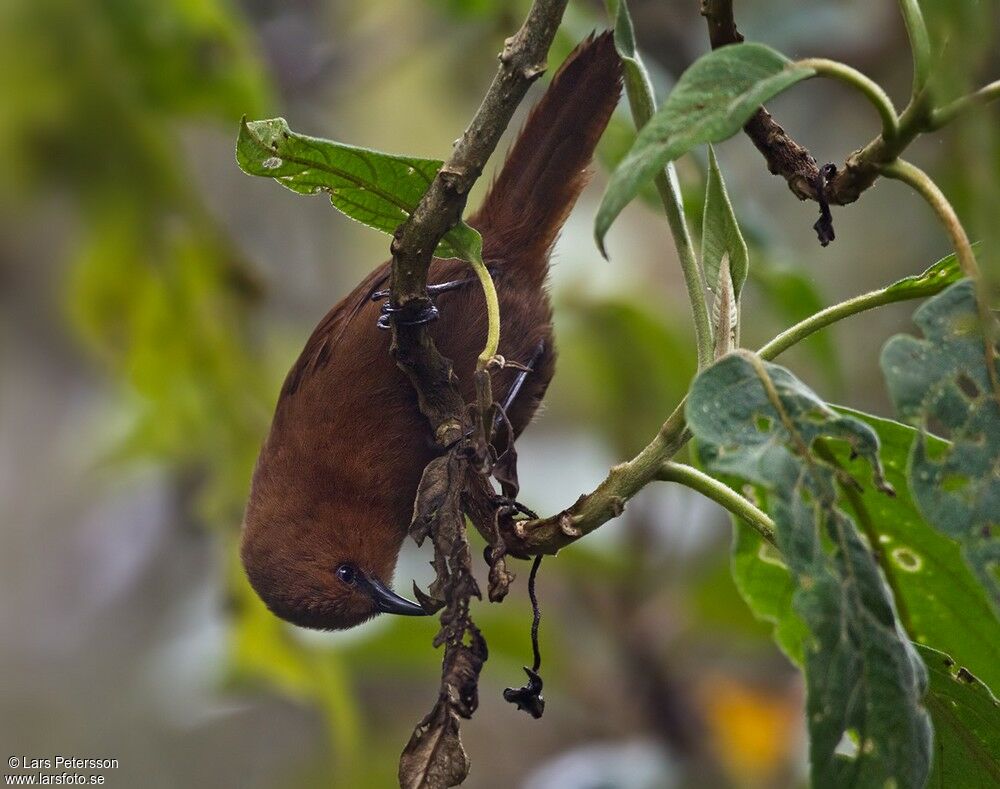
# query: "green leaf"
{"type": "Point", "coordinates": [864, 679]}
{"type": "Point", "coordinates": [967, 724]}
{"type": "Point", "coordinates": [377, 189]}
{"type": "Point", "coordinates": [946, 270]}
{"type": "Point", "coordinates": [943, 377]}
{"type": "Point", "coordinates": [711, 101]}
{"type": "Point", "coordinates": [764, 582]}
{"type": "Point", "coordinates": [721, 234]}
{"type": "Point", "coordinates": [940, 601]}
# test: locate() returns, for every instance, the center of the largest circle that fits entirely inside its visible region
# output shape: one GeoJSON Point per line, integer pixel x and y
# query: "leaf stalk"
{"type": "Point", "coordinates": [642, 104]}
{"type": "Point", "coordinates": [870, 89]}
{"type": "Point", "coordinates": [721, 494]}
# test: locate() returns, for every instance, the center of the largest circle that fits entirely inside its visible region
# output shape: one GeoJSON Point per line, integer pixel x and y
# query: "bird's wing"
{"type": "Point", "coordinates": [326, 335]}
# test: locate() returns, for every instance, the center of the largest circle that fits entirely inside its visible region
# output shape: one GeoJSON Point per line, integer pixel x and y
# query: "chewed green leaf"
{"type": "Point", "coordinates": [941, 382]}
{"type": "Point", "coordinates": [864, 680]}
{"type": "Point", "coordinates": [728, 408]}
{"type": "Point", "coordinates": [946, 607]}
{"type": "Point", "coordinates": [379, 190]}
{"type": "Point", "coordinates": [967, 724]}
{"type": "Point", "coordinates": [720, 233]}
{"type": "Point", "coordinates": [710, 102]}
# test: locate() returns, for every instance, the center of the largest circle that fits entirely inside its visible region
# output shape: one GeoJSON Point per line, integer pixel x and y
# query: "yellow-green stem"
{"type": "Point", "coordinates": [720, 493]}
{"type": "Point", "coordinates": [924, 185]}
{"type": "Point", "coordinates": [920, 43]}
{"type": "Point", "coordinates": [492, 312]}
{"type": "Point", "coordinates": [946, 114]}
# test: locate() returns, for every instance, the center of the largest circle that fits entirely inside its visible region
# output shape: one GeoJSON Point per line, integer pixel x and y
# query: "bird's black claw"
{"type": "Point", "coordinates": [514, 507]}
{"type": "Point", "coordinates": [426, 314]}
{"type": "Point", "coordinates": [405, 316]}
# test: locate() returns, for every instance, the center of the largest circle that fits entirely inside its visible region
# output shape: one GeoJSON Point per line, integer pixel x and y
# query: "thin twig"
{"type": "Point", "coordinates": [784, 156]}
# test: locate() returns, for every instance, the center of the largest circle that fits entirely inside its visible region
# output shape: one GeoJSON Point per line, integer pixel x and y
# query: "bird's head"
{"type": "Point", "coordinates": [319, 572]}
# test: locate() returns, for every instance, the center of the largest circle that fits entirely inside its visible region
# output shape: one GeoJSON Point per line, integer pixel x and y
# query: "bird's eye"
{"type": "Point", "coordinates": [347, 573]}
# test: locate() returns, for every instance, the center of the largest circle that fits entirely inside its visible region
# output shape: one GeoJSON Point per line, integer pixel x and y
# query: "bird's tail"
{"type": "Point", "coordinates": [547, 167]}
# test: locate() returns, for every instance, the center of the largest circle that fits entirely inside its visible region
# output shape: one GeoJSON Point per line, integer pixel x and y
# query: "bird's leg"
{"type": "Point", "coordinates": [391, 313]}
{"type": "Point", "coordinates": [516, 386]}
{"type": "Point", "coordinates": [505, 465]}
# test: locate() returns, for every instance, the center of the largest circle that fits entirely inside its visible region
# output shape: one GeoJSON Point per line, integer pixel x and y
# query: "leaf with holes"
{"type": "Point", "coordinates": [376, 189]}
{"type": "Point", "coordinates": [864, 680]}
{"type": "Point", "coordinates": [940, 601]}
{"type": "Point", "coordinates": [967, 722]}
{"type": "Point", "coordinates": [941, 383]}
{"type": "Point", "coordinates": [710, 102]}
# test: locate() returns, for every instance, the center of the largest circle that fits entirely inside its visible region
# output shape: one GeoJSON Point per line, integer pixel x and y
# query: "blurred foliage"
{"type": "Point", "coordinates": [96, 97]}
{"type": "Point", "coordinates": [653, 375]}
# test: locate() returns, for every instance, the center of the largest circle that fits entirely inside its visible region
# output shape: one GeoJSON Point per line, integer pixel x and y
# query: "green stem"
{"type": "Point", "coordinates": [669, 191]}
{"type": "Point", "coordinates": [642, 104]}
{"type": "Point", "coordinates": [868, 87]}
{"type": "Point", "coordinates": [946, 114]}
{"type": "Point", "coordinates": [867, 301]}
{"type": "Point", "coordinates": [920, 43]}
{"type": "Point", "coordinates": [721, 494]}
{"type": "Point", "coordinates": [923, 184]}
{"type": "Point", "coordinates": [492, 312]}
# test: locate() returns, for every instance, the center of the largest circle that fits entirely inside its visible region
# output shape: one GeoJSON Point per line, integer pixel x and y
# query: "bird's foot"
{"type": "Point", "coordinates": [512, 507]}
{"type": "Point", "coordinates": [406, 316]}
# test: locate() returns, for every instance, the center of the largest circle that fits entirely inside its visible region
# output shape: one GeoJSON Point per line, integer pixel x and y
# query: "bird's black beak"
{"type": "Point", "coordinates": [388, 602]}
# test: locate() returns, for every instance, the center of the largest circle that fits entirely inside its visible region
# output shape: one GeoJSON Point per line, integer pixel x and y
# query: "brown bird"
{"type": "Point", "coordinates": [332, 493]}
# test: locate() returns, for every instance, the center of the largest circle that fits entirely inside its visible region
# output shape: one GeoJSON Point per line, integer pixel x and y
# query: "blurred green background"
{"type": "Point", "coordinates": [152, 298]}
